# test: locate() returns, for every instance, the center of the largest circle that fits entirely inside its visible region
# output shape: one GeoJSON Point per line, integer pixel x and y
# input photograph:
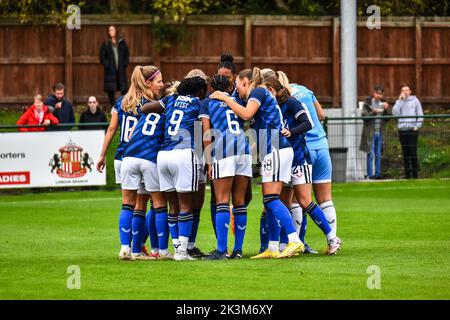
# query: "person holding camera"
{"type": "Point", "coordinates": [408, 128]}
{"type": "Point", "coordinates": [371, 137]}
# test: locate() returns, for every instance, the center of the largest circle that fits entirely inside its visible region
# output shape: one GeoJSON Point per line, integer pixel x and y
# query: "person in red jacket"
{"type": "Point", "coordinates": [37, 114]}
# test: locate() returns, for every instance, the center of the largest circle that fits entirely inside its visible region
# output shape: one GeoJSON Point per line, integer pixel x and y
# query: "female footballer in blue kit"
{"type": "Point", "coordinates": [139, 164]}
{"type": "Point", "coordinates": [228, 68]}
{"type": "Point", "coordinates": [178, 163]}
{"type": "Point", "coordinates": [125, 114]}
{"type": "Point", "coordinates": [274, 151]}
{"type": "Point", "coordinates": [297, 124]}
{"type": "Point", "coordinates": [199, 195]}
{"type": "Point", "coordinates": [229, 167]}
{"type": "Point", "coordinates": [317, 144]}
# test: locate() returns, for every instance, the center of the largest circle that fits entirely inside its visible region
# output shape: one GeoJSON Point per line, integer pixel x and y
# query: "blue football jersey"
{"type": "Point", "coordinates": [267, 118]}
{"type": "Point", "coordinates": [235, 95]}
{"type": "Point", "coordinates": [127, 120]}
{"type": "Point", "coordinates": [147, 137]}
{"type": "Point", "coordinates": [316, 138]}
{"type": "Point", "coordinates": [181, 115]}
{"type": "Point", "coordinates": [228, 129]}
{"type": "Point", "coordinates": [291, 110]}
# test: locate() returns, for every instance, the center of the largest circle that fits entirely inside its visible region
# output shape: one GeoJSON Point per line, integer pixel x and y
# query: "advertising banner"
{"type": "Point", "coordinates": [50, 159]}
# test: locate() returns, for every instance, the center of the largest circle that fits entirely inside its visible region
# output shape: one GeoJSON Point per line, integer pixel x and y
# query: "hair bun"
{"type": "Point", "coordinates": [226, 57]}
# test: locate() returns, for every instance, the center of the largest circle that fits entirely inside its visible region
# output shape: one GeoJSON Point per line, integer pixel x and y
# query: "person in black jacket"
{"type": "Point", "coordinates": [114, 57]}
{"type": "Point", "coordinates": [93, 114]}
{"type": "Point", "coordinates": [59, 106]}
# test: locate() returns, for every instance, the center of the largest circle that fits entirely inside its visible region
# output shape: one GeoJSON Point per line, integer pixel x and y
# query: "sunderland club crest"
{"type": "Point", "coordinates": [71, 162]}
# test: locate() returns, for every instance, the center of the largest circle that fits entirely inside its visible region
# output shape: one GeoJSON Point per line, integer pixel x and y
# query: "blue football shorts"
{"type": "Point", "coordinates": [321, 165]}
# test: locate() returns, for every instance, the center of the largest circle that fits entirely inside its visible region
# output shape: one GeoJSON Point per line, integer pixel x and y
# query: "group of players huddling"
{"type": "Point", "coordinates": [173, 138]}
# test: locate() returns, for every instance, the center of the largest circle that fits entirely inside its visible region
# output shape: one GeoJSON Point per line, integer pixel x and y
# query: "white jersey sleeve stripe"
{"type": "Point", "coordinates": [256, 100]}
{"type": "Point", "coordinates": [298, 114]}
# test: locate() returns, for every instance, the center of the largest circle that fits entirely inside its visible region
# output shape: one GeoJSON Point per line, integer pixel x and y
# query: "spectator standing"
{"type": "Point", "coordinates": [37, 114]}
{"type": "Point", "coordinates": [114, 57]}
{"type": "Point", "coordinates": [408, 128]}
{"type": "Point", "coordinates": [93, 113]}
{"type": "Point", "coordinates": [59, 106]}
{"type": "Point", "coordinates": [372, 134]}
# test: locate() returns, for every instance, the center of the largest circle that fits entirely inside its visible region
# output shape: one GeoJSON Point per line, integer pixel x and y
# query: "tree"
{"type": "Point", "coordinates": [38, 11]}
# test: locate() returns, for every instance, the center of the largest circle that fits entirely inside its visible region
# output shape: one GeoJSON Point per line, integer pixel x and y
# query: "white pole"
{"type": "Point", "coordinates": [349, 83]}
{"type": "Point", "coordinates": [348, 57]}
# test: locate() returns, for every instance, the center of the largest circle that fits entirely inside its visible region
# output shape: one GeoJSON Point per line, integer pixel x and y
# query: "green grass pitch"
{"type": "Point", "coordinates": [401, 227]}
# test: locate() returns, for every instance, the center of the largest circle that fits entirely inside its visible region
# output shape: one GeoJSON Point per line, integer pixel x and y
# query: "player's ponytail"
{"type": "Point", "coordinates": [226, 61]}
{"type": "Point", "coordinates": [255, 81]}
{"type": "Point", "coordinates": [284, 80]}
{"type": "Point", "coordinates": [139, 88]}
{"type": "Point", "coordinates": [271, 79]}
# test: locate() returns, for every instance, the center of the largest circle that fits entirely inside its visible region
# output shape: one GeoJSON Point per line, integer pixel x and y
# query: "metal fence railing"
{"type": "Point", "coordinates": [350, 163]}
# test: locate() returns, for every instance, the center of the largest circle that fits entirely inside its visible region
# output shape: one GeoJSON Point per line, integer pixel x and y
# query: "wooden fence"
{"type": "Point", "coordinates": [414, 50]}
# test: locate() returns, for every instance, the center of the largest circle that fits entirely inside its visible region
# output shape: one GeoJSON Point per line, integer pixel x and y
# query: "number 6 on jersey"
{"type": "Point", "coordinates": [233, 125]}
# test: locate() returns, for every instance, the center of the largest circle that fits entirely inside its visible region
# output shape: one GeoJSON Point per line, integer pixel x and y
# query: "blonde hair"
{"type": "Point", "coordinates": [284, 80]}
{"type": "Point", "coordinates": [267, 73]}
{"type": "Point", "coordinates": [38, 97]}
{"type": "Point", "coordinates": [277, 81]}
{"type": "Point", "coordinates": [196, 73]}
{"type": "Point", "coordinates": [246, 73]}
{"type": "Point", "coordinates": [170, 88]}
{"type": "Point", "coordinates": [138, 88]}
{"type": "Point", "coordinates": [255, 81]}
